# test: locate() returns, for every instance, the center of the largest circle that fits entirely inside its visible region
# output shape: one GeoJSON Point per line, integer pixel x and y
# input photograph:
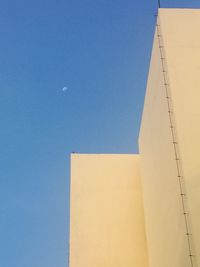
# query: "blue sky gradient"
{"type": "Point", "coordinates": [100, 50]}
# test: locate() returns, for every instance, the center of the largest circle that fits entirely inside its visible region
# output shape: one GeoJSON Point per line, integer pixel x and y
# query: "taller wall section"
{"type": "Point", "coordinates": [169, 141]}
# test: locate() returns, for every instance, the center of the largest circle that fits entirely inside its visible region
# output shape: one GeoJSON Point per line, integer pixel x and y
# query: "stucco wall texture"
{"type": "Point", "coordinates": [107, 218]}
{"type": "Point", "coordinates": [169, 141]}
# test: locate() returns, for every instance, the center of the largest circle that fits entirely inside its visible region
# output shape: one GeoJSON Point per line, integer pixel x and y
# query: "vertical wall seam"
{"type": "Point", "coordinates": [175, 144]}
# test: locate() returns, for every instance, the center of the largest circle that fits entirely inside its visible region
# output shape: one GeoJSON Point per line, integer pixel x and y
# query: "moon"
{"type": "Point", "coordinates": [65, 88]}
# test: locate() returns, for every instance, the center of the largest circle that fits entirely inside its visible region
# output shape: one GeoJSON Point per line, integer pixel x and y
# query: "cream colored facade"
{"type": "Point", "coordinates": [109, 225]}
{"type": "Point", "coordinates": [107, 219]}
{"type": "Point", "coordinates": [170, 141]}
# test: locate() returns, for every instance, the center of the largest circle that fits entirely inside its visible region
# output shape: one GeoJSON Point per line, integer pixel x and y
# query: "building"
{"type": "Point", "coordinates": [144, 210]}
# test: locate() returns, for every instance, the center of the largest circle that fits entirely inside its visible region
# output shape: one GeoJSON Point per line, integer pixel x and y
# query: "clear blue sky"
{"type": "Point", "coordinates": [100, 50]}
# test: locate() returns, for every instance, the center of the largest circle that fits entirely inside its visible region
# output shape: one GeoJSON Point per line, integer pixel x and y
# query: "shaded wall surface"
{"type": "Point", "coordinates": [107, 219]}
{"type": "Point", "coordinates": [169, 141]}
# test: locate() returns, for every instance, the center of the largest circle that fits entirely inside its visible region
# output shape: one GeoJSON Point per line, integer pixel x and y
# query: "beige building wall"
{"type": "Point", "coordinates": [182, 44]}
{"type": "Point", "coordinates": [170, 141]}
{"type": "Point", "coordinates": [106, 219]}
